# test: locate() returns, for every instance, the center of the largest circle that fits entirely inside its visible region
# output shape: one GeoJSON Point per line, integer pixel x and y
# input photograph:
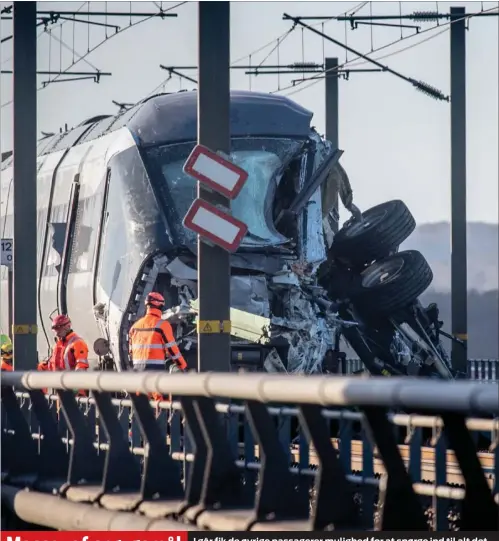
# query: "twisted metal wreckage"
{"type": "Point", "coordinates": [112, 195]}
{"type": "Point", "coordinates": [355, 284]}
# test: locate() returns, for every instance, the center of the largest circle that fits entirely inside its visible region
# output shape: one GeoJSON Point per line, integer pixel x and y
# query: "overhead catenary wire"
{"type": "Point", "coordinates": [419, 85]}
{"type": "Point", "coordinates": [133, 24]}
{"type": "Point", "coordinates": [355, 62]}
{"type": "Point", "coordinates": [83, 57]}
{"type": "Point", "coordinates": [350, 11]}
{"type": "Point", "coordinates": [67, 47]}
{"type": "Point", "coordinates": [44, 22]}
{"type": "Point", "coordinates": [276, 42]}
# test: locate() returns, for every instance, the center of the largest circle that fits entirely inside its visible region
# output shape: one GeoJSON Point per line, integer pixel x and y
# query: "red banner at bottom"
{"type": "Point", "coordinates": [94, 536]}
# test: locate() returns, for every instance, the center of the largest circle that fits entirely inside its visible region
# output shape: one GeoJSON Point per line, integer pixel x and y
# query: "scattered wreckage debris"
{"type": "Point", "coordinates": [292, 321]}
{"type": "Point", "coordinates": [360, 288]}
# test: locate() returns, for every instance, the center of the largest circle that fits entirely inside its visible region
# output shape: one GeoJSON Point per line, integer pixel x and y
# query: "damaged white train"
{"type": "Point", "coordinates": [111, 199]}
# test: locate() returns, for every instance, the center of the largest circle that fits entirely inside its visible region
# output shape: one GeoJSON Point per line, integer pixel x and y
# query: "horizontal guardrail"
{"type": "Point", "coordinates": [457, 396]}
{"type": "Point", "coordinates": [420, 459]}
{"type": "Point", "coordinates": [238, 470]}
{"type": "Point", "coordinates": [486, 370]}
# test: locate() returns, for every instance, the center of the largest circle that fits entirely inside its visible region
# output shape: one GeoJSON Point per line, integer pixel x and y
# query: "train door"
{"type": "Point", "coordinates": [76, 290]}
{"type": "Point", "coordinates": [59, 216]}
{"type": "Point", "coordinates": [111, 264]}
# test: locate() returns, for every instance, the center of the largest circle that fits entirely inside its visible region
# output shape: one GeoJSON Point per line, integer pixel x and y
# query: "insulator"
{"type": "Point", "coordinates": [301, 65]}
{"type": "Point", "coordinates": [422, 16]}
{"type": "Point", "coordinates": [430, 90]}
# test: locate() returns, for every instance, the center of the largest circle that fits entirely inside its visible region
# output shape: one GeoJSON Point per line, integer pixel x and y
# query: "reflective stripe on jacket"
{"type": "Point", "coordinates": [151, 341]}
{"type": "Point", "coordinates": [70, 353]}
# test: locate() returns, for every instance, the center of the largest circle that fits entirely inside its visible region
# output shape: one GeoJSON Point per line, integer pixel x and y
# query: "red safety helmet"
{"type": "Point", "coordinates": [60, 321]}
{"type": "Point", "coordinates": [156, 300]}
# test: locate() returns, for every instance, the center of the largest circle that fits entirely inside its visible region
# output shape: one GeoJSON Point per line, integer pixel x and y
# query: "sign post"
{"type": "Point", "coordinates": [25, 212]}
{"type": "Point", "coordinates": [7, 261]}
{"type": "Point", "coordinates": [214, 133]}
{"type": "Point", "coordinates": [215, 226]}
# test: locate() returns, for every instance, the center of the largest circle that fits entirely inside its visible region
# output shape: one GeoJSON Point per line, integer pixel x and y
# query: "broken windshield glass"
{"type": "Point", "coordinates": [263, 159]}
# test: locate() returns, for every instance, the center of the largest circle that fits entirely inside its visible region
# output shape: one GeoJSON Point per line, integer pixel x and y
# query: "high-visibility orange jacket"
{"type": "Point", "coordinates": [6, 367]}
{"type": "Point", "coordinates": [70, 353]}
{"type": "Point", "coordinates": [151, 342]}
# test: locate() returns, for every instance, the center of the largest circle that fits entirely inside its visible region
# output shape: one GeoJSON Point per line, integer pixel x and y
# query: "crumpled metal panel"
{"type": "Point", "coordinates": [309, 334]}
{"type": "Point", "coordinates": [179, 270]}
{"type": "Point", "coordinates": [400, 350]}
{"type": "Point", "coordinates": [273, 362]}
{"type": "Point", "coordinates": [299, 312]}
{"type": "Point", "coordinates": [298, 318]}
{"type": "Point", "coordinates": [250, 293]}
{"type": "Point", "coordinates": [307, 350]}
{"type": "Point", "coordinates": [314, 248]}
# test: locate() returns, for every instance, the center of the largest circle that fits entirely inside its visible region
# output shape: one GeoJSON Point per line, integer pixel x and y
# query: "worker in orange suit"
{"type": "Point", "coordinates": [70, 351]}
{"type": "Point", "coordinates": [151, 343]}
{"type": "Point", "coordinates": [7, 358]}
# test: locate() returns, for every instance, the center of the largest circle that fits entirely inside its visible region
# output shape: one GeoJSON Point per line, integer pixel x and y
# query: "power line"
{"type": "Point", "coordinates": [279, 39]}
{"type": "Point", "coordinates": [83, 57]}
{"type": "Point", "coordinates": [71, 49]}
{"type": "Point", "coordinates": [42, 14]}
{"type": "Point", "coordinates": [419, 85]}
{"type": "Point", "coordinates": [43, 31]}
{"type": "Point", "coordinates": [418, 16]}
{"type": "Point", "coordinates": [119, 32]}
{"type": "Point", "coordinates": [354, 62]}
{"type": "Point", "coordinates": [277, 42]}
{"type": "Point", "coordinates": [76, 73]}
{"type": "Point", "coordinates": [356, 8]}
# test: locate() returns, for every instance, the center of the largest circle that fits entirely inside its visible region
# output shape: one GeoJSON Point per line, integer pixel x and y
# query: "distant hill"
{"type": "Point", "coordinates": [433, 241]}
{"type": "Point", "coordinates": [483, 321]}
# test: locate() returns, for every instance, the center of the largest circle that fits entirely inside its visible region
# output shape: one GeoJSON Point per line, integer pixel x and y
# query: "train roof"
{"type": "Point", "coordinates": [172, 118]}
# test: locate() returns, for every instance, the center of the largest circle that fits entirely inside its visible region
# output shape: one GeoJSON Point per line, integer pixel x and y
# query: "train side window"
{"type": "Point", "coordinates": [100, 234]}
{"type": "Point", "coordinates": [113, 248]}
{"type": "Point", "coordinates": [86, 232]}
{"type": "Point", "coordinates": [57, 234]}
{"type": "Point", "coordinates": [59, 214]}
{"type": "Point", "coordinates": [68, 245]}
{"type": "Point", "coordinates": [57, 228]}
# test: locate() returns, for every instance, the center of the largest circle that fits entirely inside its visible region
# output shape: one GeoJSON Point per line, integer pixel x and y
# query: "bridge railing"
{"type": "Point", "coordinates": [478, 369]}
{"type": "Point", "coordinates": [250, 465]}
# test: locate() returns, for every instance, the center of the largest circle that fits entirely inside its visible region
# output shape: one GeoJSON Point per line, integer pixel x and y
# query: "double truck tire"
{"type": "Point", "coordinates": [393, 283]}
{"type": "Point", "coordinates": [382, 230]}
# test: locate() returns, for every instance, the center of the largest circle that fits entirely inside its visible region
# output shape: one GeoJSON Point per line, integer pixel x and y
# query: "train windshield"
{"type": "Point", "coordinates": [262, 158]}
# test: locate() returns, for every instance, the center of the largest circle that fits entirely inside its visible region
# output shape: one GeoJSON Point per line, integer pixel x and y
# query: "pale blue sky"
{"type": "Point", "coordinates": [396, 139]}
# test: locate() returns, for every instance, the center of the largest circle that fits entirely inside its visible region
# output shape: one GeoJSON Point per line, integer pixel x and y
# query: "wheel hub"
{"type": "Point", "coordinates": [382, 272]}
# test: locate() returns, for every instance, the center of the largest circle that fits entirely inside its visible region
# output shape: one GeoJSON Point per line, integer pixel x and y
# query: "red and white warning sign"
{"type": "Point", "coordinates": [216, 172]}
{"type": "Point", "coordinates": [215, 225]}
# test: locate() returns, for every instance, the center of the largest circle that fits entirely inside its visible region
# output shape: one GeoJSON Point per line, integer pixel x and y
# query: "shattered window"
{"type": "Point", "coordinates": [58, 236]}
{"type": "Point", "coordinates": [261, 158]}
